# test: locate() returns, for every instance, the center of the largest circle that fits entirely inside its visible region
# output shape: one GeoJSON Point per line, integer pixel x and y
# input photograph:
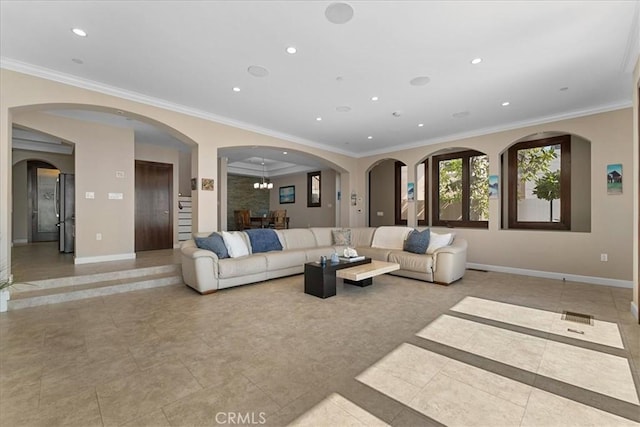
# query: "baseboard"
{"type": "Point", "coordinates": [103, 258]}
{"type": "Point", "coordinates": [176, 246]}
{"type": "Point", "coordinates": [553, 275]}
{"type": "Point", "coordinates": [634, 311]}
{"type": "Point", "coordinates": [20, 241]}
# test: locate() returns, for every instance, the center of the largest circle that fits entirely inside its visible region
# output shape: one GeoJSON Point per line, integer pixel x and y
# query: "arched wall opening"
{"type": "Point", "coordinates": [538, 164]}
{"type": "Point", "coordinates": [287, 170]}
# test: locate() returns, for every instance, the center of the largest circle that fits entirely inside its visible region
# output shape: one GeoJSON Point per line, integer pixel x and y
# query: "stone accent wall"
{"type": "Point", "coordinates": [242, 195]}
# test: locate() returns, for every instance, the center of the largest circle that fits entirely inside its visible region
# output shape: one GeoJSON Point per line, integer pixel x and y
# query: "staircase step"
{"type": "Point", "coordinates": [35, 294]}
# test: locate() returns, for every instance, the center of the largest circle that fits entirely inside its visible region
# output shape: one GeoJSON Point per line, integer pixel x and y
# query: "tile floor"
{"type": "Point", "coordinates": [400, 353]}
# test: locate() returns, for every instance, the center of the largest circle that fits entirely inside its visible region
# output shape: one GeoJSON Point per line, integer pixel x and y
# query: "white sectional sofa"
{"type": "Point", "coordinates": [206, 273]}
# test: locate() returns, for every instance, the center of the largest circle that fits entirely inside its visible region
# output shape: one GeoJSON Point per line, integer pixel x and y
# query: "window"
{"type": "Point", "coordinates": [402, 201]}
{"type": "Point", "coordinates": [539, 184]}
{"type": "Point", "coordinates": [461, 189]}
{"type": "Point", "coordinates": [313, 190]}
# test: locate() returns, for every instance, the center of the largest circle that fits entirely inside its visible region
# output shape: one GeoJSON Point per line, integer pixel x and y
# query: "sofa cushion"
{"type": "Point", "coordinates": [341, 237]}
{"type": "Point", "coordinates": [214, 243]}
{"type": "Point", "coordinates": [374, 253]}
{"type": "Point", "coordinates": [417, 241]}
{"type": "Point", "coordinates": [285, 259]}
{"type": "Point", "coordinates": [390, 237]}
{"type": "Point", "coordinates": [408, 261]}
{"type": "Point", "coordinates": [437, 241]}
{"type": "Point", "coordinates": [263, 240]}
{"type": "Point", "coordinates": [242, 266]}
{"type": "Point", "coordinates": [362, 236]}
{"type": "Point", "coordinates": [235, 244]}
{"type": "Point", "coordinates": [298, 238]}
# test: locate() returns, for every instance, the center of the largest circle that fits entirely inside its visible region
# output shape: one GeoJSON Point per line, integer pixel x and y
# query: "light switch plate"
{"type": "Point", "coordinates": [119, 174]}
{"type": "Point", "coordinates": [115, 196]}
{"type": "Point", "coordinates": [89, 195]}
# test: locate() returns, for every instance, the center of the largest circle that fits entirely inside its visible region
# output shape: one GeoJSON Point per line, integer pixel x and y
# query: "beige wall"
{"type": "Point", "coordinates": [100, 151]}
{"type": "Point", "coordinates": [300, 216]}
{"type": "Point", "coordinates": [635, 307]}
{"type": "Point", "coordinates": [20, 211]}
{"type": "Point", "coordinates": [611, 135]}
{"type": "Point", "coordinates": [576, 254]}
{"type": "Point", "coordinates": [382, 194]}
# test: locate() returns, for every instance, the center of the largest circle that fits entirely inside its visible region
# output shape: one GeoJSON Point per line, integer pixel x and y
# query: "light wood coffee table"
{"type": "Point", "coordinates": [362, 275]}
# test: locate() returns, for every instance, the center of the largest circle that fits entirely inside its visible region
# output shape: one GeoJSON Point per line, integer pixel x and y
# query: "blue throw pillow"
{"type": "Point", "coordinates": [213, 243]}
{"type": "Point", "coordinates": [263, 240]}
{"type": "Point", "coordinates": [417, 241]}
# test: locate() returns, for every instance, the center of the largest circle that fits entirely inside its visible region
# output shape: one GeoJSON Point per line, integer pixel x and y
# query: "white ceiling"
{"type": "Point", "coordinates": [189, 55]}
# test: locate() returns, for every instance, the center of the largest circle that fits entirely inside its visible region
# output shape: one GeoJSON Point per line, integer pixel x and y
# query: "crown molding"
{"type": "Point", "coordinates": [506, 127]}
{"type": "Point", "coordinates": [45, 73]}
{"type": "Point", "coordinates": [68, 79]}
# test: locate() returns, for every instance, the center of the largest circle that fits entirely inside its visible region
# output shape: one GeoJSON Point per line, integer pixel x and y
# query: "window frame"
{"type": "Point", "coordinates": [466, 190]}
{"type": "Point", "coordinates": [565, 185]}
{"type": "Point", "coordinates": [310, 202]}
{"type": "Point", "coordinates": [398, 194]}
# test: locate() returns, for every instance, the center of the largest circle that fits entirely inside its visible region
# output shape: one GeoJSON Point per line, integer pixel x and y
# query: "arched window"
{"type": "Point", "coordinates": [460, 189]}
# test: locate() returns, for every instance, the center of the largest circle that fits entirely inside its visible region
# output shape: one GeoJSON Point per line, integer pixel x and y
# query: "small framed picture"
{"type": "Point", "coordinates": [411, 192]}
{"type": "Point", "coordinates": [287, 194]}
{"type": "Point", "coordinates": [208, 184]}
{"type": "Point", "coordinates": [614, 179]}
{"type": "Point", "coordinates": [494, 187]}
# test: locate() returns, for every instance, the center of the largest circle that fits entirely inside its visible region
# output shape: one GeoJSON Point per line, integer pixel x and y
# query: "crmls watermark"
{"type": "Point", "coordinates": [241, 418]}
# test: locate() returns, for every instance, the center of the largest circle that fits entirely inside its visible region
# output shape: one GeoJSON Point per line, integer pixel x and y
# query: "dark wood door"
{"type": "Point", "coordinates": [154, 213]}
{"type": "Point", "coordinates": [41, 182]}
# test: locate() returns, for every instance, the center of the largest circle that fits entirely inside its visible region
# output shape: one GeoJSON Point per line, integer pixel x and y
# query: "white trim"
{"type": "Point", "coordinates": [634, 311]}
{"type": "Point", "coordinates": [45, 73]}
{"type": "Point", "coordinates": [553, 275]}
{"type": "Point", "coordinates": [103, 258]}
{"type": "Point", "coordinates": [20, 241]}
{"type": "Point", "coordinates": [68, 79]}
{"type": "Point", "coordinates": [176, 245]}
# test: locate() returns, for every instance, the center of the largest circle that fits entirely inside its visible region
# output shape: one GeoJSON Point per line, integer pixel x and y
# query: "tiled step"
{"type": "Point", "coordinates": [74, 288]}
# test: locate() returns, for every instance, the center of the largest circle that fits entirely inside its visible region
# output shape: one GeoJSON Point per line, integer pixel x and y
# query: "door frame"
{"type": "Point", "coordinates": [32, 223]}
{"type": "Point", "coordinates": [170, 168]}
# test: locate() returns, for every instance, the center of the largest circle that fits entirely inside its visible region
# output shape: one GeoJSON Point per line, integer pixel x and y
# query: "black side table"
{"type": "Point", "coordinates": [320, 281]}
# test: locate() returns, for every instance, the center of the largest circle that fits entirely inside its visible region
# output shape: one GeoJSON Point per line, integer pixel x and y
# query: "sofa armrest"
{"type": "Point", "coordinates": [199, 267]}
{"type": "Point", "coordinates": [449, 262]}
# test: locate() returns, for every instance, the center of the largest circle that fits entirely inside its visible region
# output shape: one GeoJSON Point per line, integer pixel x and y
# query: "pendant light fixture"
{"type": "Point", "coordinates": [263, 185]}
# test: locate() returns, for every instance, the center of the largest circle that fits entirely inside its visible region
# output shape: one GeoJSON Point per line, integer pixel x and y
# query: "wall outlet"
{"type": "Point", "coordinates": [115, 196]}
{"type": "Point", "coordinates": [98, 236]}
{"type": "Point", "coordinates": [119, 174]}
{"type": "Point", "coordinates": [604, 257]}
{"type": "Point", "coordinates": [89, 195]}
{"type": "Point", "coordinates": [380, 213]}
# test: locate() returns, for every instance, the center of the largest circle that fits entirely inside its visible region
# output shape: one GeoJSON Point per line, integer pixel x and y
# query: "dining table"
{"type": "Point", "coordinates": [264, 221]}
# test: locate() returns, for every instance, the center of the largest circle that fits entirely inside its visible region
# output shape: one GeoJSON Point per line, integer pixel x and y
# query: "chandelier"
{"type": "Point", "coordinates": [263, 185]}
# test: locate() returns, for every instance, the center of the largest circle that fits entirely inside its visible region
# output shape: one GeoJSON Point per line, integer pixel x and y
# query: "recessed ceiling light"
{"type": "Point", "coordinates": [77, 60]}
{"type": "Point", "coordinates": [319, 119]}
{"type": "Point", "coordinates": [369, 137]}
{"type": "Point", "coordinates": [258, 71]}
{"type": "Point", "coordinates": [420, 125]}
{"type": "Point", "coordinates": [374, 98]}
{"type": "Point", "coordinates": [505, 103]}
{"type": "Point", "coordinates": [343, 109]}
{"type": "Point", "coordinates": [339, 13]}
{"type": "Point", "coordinates": [476, 61]}
{"type": "Point", "coordinates": [291, 50]}
{"type": "Point", "coordinates": [461, 114]}
{"type": "Point", "coordinates": [419, 81]}
{"type": "Point", "coordinates": [563, 89]}
{"type": "Point", "coordinates": [284, 152]}
{"type": "Point", "coordinates": [236, 89]}
{"type": "Point", "coordinates": [79, 32]}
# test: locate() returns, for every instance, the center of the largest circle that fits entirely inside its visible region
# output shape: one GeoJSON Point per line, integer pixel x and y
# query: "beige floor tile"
{"type": "Point", "coordinates": [128, 398]}
{"type": "Point", "coordinates": [79, 410]}
{"type": "Point", "coordinates": [238, 400]}
{"type": "Point", "coordinates": [585, 368]}
{"type": "Point", "coordinates": [546, 409]}
{"type": "Point", "coordinates": [507, 313]}
{"type": "Point", "coordinates": [454, 403]}
{"type": "Point", "coordinates": [497, 385]}
{"type": "Point", "coordinates": [153, 419]}
{"type": "Point", "coordinates": [335, 410]}
{"type": "Point", "coordinates": [450, 331]}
